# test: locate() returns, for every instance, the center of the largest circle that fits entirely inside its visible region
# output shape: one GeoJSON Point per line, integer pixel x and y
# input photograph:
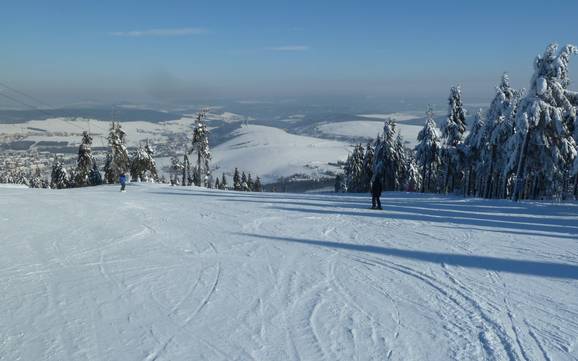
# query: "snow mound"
{"type": "Point", "coordinates": [161, 273]}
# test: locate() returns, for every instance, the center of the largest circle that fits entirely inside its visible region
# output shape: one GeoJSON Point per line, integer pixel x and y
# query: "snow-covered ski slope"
{"type": "Point", "coordinates": [161, 273]}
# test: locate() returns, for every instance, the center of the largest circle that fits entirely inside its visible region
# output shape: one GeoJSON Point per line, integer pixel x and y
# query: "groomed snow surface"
{"type": "Point", "coordinates": [161, 273]}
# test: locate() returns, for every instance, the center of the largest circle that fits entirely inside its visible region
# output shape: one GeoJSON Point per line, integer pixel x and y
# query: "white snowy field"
{"type": "Point", "coordinates": [161, 273]}
{"type": "Point", "coordinates": [399, 117]}
{"type": "Point", "coordinates": [70, 131]}
{"type": "Point", "coordinates": [272, 152]}
{"type": "Point", "coordinates": [369, 130]}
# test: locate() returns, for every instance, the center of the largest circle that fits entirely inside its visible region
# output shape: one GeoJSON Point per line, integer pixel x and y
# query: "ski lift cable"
{"type": "Point", "coordinates": [37, 109]}
{"type": "Point", "coordinates": [24, 103]}
{"type": "Point", "coordinates": [43, 111]}
{"type": "Point", "coordinates": [24, 94]}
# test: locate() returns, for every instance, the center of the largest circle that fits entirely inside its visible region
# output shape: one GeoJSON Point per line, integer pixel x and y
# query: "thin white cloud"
{"type": "Point", "coordinates": [160, 32]}
{"type": "Point", "coordinates": [290, 48]}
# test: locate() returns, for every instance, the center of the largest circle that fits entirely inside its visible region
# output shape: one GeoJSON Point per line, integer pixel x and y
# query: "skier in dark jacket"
{"type": "Point", "coordinates": [122, 180]}
{"type": "Point", "coordinates": [376, 193]}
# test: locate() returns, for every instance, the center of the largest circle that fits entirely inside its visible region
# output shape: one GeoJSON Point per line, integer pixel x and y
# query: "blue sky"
{"type": "Point", "coordinates": [177, 50]}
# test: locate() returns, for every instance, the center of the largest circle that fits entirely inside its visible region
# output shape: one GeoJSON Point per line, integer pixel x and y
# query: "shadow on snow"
{"type": "Point", "coordinates": [531, 268]}
{"type": "Point", "coordinates": [533, 219]}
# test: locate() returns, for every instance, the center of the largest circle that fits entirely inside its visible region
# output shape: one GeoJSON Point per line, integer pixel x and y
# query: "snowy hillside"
{"type": "Point", "coordinates": [68, 129]}
{"type": "Point", "coordinates": [271, 153]}
{"type": "Point", "coordinates": [161, 273]}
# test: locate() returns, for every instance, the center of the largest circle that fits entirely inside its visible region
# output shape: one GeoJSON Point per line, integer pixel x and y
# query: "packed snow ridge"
{"type": "Point", "coordinates": [171, 273]}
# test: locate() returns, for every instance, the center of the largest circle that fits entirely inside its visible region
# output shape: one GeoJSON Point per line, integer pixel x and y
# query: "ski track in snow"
{"type": "Point", "coordinates": [171, 273]}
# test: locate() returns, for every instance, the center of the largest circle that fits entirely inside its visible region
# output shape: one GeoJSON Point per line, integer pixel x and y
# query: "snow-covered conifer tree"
{"type": "Point", "coordinates": [244, 186]}
{"type": "Point", "coordinates": [402, 163]}
{"type": "Point", "coordinates": [354, 170]}
{"type": "Point", "coordinates": [201, 147]}
{"type": "Point", "coordinates": [72, 176]}
{"type": "Point", "coordinates": [223, 181]}
{"type": "Point", "coordinates": [117, 160]}
{"type": "Point", "coordinates": [142, 165]}
{"type": "Point", "coordinates": [258, 186]}
{"type": "Point", "coordinates": [175, 170]}
{"type": "Point", "coordinates": [428, 152]}
{"type": "Point", "coordinates": [413, 175]}
{"type": "Point", "coordinates": [95, 178]}
{"type": "Point", "coordinates": [453, 133]}
{"type": "Point", "coordinates": [187, 176]}
{"type": "Point", "coordinates": [196, 176]}
{"type": "Point", "coordinates": [23, 178]}
{"type": "Point", "coordinates": [250, 183]}
{"type": "Point", "coordinates": [474, 143]}
{"type": "Point", "coordinates": [499, 129]}
{"type": "Point", "coordinates": [367, 173]}
{"type": "Point", "coordinates": [386, 163]}
{"type": "Point", "coordinates": [36, 180]}
{"type": "Point", "coordinates": [59, 176]}
{"type": "Point", "coordinates": [85, 162]}
{"type": "Point", "coordinates": [544, 143]}
{"type": "Point", "coordinates": [237, 180]}
{"type": "Point", "coordinates": [108, 172]}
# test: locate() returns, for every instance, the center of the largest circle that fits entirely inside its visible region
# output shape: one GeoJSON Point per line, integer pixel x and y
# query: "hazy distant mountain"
{"type": "Point", "coordinates": [104, 114]}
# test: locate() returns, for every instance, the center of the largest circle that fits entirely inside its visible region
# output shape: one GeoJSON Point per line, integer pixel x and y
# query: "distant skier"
{"type": "Point", "coordinates": [376, 192]}
{"type": "Point", "coordinates": [122, 181]}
